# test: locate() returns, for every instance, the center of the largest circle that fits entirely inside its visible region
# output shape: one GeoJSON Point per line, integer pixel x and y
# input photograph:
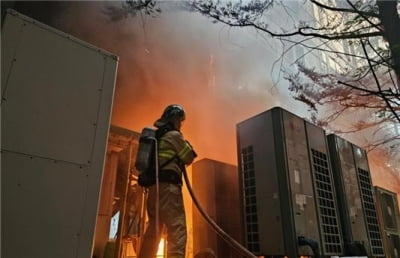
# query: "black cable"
{"type": "Point", "coordinates": [214, 225]}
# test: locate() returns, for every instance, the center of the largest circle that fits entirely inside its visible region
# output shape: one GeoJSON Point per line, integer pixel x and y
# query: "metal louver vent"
{"type": "Point", "coordinates": [253, 241]}
{"type": "Point", "coordinates": [326, 203]}
{"type": "Point", "coordinates": [389, 211]}
{"type": "Point", "coordinates": [370, 212]}
{"type": "Point", "coordinates": [394, 245]}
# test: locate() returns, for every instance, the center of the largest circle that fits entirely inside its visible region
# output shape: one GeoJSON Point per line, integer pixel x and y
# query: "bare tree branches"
{"type": "Point", "coordinates": [366, 84]}
{"type": "Point", "coordinates": [380, 92]}
{"type": "Point", "coordinates": [343, 10]}
{"type": "Point", "coordinates": [131, 7]}
{"type": "Point", "coordinates": [236, 18]}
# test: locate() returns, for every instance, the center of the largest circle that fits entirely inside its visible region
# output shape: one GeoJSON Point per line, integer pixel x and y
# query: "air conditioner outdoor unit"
{"type": "Point", "coordinates": [360, 225]}
{"type": "Point", "coordinates": [388, 213]}
{"type": "Point", "coordinates": [287, 188]}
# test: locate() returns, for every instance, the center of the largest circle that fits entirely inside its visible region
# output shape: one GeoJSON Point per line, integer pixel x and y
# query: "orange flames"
{"type": "Point", "coordinates": [211, 115]}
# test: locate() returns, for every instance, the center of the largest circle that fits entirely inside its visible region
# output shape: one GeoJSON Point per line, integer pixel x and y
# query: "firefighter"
{"type": "Point", "coordinates": [174, 152]}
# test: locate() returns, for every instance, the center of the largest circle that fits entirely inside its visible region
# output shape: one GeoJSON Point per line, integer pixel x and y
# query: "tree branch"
{"type": "Point", "coordinates": [364, 16]}
{"type": "Point", "coordinates": [373, 146]}
{"type": "Point", "coordinates": [371, 92]}
{"type": "Point", "coordinates": [378, 84]}
{"type": "Point", "coordinates": [345, 10]}
{"type": "Point", "coordinates": [332, 51]}
{"type": "Point", "coordinates": [207, 10]}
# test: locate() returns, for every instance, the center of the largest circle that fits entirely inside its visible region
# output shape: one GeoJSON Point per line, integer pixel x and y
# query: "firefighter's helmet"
{"type": "Point", "coordinates": [170, 113]}
{"type": "Point", "coordinates": [173, 111]}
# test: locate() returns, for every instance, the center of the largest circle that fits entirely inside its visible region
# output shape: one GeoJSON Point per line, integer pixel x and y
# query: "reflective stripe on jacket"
{"type": "Point", "coordinates": [172, 144]}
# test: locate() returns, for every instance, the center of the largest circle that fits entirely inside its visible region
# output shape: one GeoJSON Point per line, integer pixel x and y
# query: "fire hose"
{"type": "Point", "coordinates": [241, 249]}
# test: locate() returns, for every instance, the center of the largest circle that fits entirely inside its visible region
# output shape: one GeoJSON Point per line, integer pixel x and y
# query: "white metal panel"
{"type": "Point", "coordinates": [59, 82]}
{"type": "Point", "coordinates": [43, 206]}
{"type": "Point", "coordinates": [98, 160]}
{"type": "Point", "coordinates": [55, 121]}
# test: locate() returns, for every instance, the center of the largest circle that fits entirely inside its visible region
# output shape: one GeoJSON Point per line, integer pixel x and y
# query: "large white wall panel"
{"type": "Point", "coordinates": [52, 94]}
{"type": "Point", "coordinates": [57, 94]}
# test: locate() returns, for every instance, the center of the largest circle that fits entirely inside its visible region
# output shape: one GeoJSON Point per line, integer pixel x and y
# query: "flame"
{"type": "Point", "coordinates": [161, 249]}
{"type": "Point", "coordinates": [210, 121]}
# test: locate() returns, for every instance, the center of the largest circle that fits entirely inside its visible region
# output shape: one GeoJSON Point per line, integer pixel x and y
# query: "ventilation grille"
{"type": "Point", "coordinates": [370, 212]}
{"type": "Point", "coordinates": [394, 245]}
{"type": "Point", "coordinates": [389, 211]}
{"type": "Point", "coordinates": [253, 240]}
{"type": "Point", "coordinates": [326, 204]}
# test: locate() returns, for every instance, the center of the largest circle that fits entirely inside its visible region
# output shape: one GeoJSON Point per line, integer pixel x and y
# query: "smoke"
{"type": "Point", "coordinates": [221, 75]}
{"type": "Point", "coordinates": [218, 74]}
